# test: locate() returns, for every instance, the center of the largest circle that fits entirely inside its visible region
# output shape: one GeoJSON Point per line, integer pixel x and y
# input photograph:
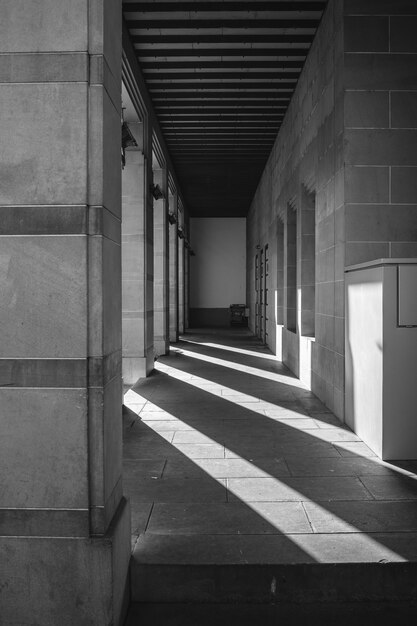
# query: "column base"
{"type": "Point", "coordinates": [306, 359]}
{"type": "Point", "coordinates": [135, 367]}
{"type": "Point", "coordinates": [66, 580]}
{"type": "Point", "coordinates": [161, 347]}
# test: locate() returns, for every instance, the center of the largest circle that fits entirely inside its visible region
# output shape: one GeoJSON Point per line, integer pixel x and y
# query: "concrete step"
{"type": "Point", "coordinates": [265, 569]}
{"type": "Point", "coordinates": [331, 614]}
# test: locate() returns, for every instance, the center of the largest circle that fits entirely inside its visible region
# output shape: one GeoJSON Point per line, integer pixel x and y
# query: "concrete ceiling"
{"type": "Point", "coordinates": [221, 75]}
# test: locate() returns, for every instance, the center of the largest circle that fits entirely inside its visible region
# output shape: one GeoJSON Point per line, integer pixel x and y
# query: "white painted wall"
{"type": "Point", "coordinates": [218, 271]}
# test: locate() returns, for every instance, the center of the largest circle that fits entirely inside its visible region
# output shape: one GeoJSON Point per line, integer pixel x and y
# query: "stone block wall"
{"type": "Point", "coordinates": [305, 169]}
{"type": "Point", "coordinates": [64, 525]}
{"type": "Point", "coordinates": [348, 141]}
{"type": "Point", "coordinates": [380, 130]}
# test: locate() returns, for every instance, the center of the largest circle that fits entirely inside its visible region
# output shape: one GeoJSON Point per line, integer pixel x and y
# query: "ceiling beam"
{"type": "Point", "coordinates": [221, 52]}
{"type": "Point", "coordinates": [222, 38]}
{"type": "Point", "coordinates": [243, 64]}
{"type": "Point", "coordinates": [219, 110]}
{"type": "Point", "coordinates": [178, 96]}
{"type": "Point", "coordinates": [168, 125]}
{"type": "Point", "coordinates": [199, 136]}
{"type": "Point", "coordinates": [208, 104]}
{"type": "Point", "coordinates": [244, 75]}
{"type": "Point", "coordinates": [219, 22]}
{"type": "Point", "coordinates": [242, 84]}
{"type": "Point", "coordinates": [271, 5]}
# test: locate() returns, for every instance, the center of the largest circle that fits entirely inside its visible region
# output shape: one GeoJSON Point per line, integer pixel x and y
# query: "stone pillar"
{"type": "Point", "coordinates": [306, 283]}
{"type": "Point", "coordinates": [279, 294]}
{"type": "Point", "coordinates": [181, 248]}
{"type": "Point", "coordinates": [290, 262]}
{"type": "Point", "coordinates": [161, 267]}
{"type": "Point", "coordinates": [173, 271]}
{"type": "Point", "coordinates": [137, 257]}
{"type": "Point", "coordinates": [290, 333]}
{"type": "Point", "coordinates": [186, 288]}
{"type": "Point", "coordinates": [306, 249]}
{"type": "Point", "coordinates": [64, 524]}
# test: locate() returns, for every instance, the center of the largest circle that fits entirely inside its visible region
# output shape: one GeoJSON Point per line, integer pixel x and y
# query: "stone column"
{"type": "Point", "coordinates": [290, 263]}
{"type": "Point", "coordinates": [173, 271]}
{"type": "Point", "coordinates": [186, 288]}
{"type": "Point", "coordinates": [306, 282]}
{"type": "Point", "coordinates": [306, 248]}
{"type": "Point", "coordinates": [137, 257]}
{"type": "Point", "coordinates": [64, 525]}
{"type": "Point", "coordinates": [181, 275]}
{"type": "Point", "coordinates": [161, 267]}
{"type": "Point", "coordinates": [279, 293]}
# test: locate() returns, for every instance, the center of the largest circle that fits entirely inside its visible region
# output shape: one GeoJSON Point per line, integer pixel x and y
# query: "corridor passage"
{"type": "Point", "coordinates": [229, 460]}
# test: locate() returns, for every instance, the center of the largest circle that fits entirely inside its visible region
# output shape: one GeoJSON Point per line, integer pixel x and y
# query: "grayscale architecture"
{"type": "Point", "coordinates": [208, 252]}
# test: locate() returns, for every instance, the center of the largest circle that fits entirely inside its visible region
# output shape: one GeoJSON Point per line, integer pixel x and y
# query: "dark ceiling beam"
{"type": "Point", "coordinates": [215, 152]}
{"type": "Point", "coordinates": [225, 160]}
{"type": "Point", "coordinates": [198, 75]}
{"type": "Point", "coordinates": [207, 104]}
{"type": "Point", "coordinates": [243, 64]}
{"type": "Point", "coordinates": [219, 110]}
{"type": "Point", "coordinates": [271, 5]}
{"type": "Point", "coordinates": [179, 96]}
{"type": "Point", "coordinates": [277, 38]}
{"type": "Point", "coordinates": [222, 125]}
{"type": "Point", "coordinates": [214, 117]}
{"type": "Point", "coordinates": [243, 145]}
{"type": "Point", "coordinates": [221, 52]}
{"type": "Point", "coordinates": [219, 22]}
{"type": "Point", "coordinates": [215, 149]}
{"type": "Point", "coordinates": [205, 136]}
{"type": "Point", "coordinates": [242, 84]}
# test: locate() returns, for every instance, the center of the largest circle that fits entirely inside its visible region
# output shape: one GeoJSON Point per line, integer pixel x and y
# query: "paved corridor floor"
{"type": "Point", "coordinates": [229, 459]}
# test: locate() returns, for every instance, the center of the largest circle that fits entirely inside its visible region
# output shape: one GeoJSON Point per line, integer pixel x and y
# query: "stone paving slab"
{"type": "Point", "coordinates": [233, 462]}
{"type": "Point", "coordinates": [260, 549]}
{"type": "Point", "coordinates": [227, 468]}
{"type": "Point", "coordinates": [228, 519]}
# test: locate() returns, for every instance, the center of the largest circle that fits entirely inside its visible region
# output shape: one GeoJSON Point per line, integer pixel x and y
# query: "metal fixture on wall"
{"type": "Point", "coordinates": [128, 141]}
{"type": "Point", "coordinates": [156, 191]}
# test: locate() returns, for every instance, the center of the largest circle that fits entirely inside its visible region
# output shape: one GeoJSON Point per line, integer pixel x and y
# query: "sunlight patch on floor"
{"type": "Point", "coordinates": [247, 369]}
{"type": "Point", "coordinates": [220, 346]}
{"type": "Point", "coordinates": [272, 491]}
{"type": "Point", "coordinates": [226, 393]}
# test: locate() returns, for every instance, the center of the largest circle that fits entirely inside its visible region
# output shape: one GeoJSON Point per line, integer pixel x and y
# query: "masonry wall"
{"type": "Point", "coordinates": [381, 129]}
{"type": "Point", "coordinates": [218, 271]}
{"type": "Point", "coordinates": [306, 162]}
{"type": "Point", "coordinates": [347, 149]}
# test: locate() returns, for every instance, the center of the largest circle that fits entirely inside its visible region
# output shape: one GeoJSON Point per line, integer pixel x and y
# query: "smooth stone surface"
{"type": "Point", "coordinates": [58, 27]}
{"type": "Point", "coordinates": [367, 517]}
{"type": "Point", "coordinates": [42, 270]}
{"type": "Point", "coordinates": [180, 490]}
{"type": "Point", "coordinates": [43, 449]}
{"type": "Point", "coordinates": [258, 549]}
{"type": "Point", "coordinates": [226, 468]}
{"type": "Point", "coordinates": [50, 145]}
{"type": "Point", "coordinates": [317, 489]}
{"type": "Point", "coordinates": [289, 490]}
{"type": "Point", "coordinates": [344, 614]}
{"type": "Point", "coordinates": [228, 519]}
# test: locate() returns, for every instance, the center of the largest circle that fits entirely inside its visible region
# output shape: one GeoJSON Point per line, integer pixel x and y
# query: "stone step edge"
{"type": "Point", "coordinates": [269, 583]}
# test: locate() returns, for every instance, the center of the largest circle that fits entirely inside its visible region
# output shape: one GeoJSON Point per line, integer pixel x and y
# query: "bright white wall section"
{"type": "Point", "coordinates": [218, 271]}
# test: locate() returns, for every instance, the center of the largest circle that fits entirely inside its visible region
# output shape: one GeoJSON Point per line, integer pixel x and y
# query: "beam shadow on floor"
{"type": "Point", "coordinates": [238, 486]}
